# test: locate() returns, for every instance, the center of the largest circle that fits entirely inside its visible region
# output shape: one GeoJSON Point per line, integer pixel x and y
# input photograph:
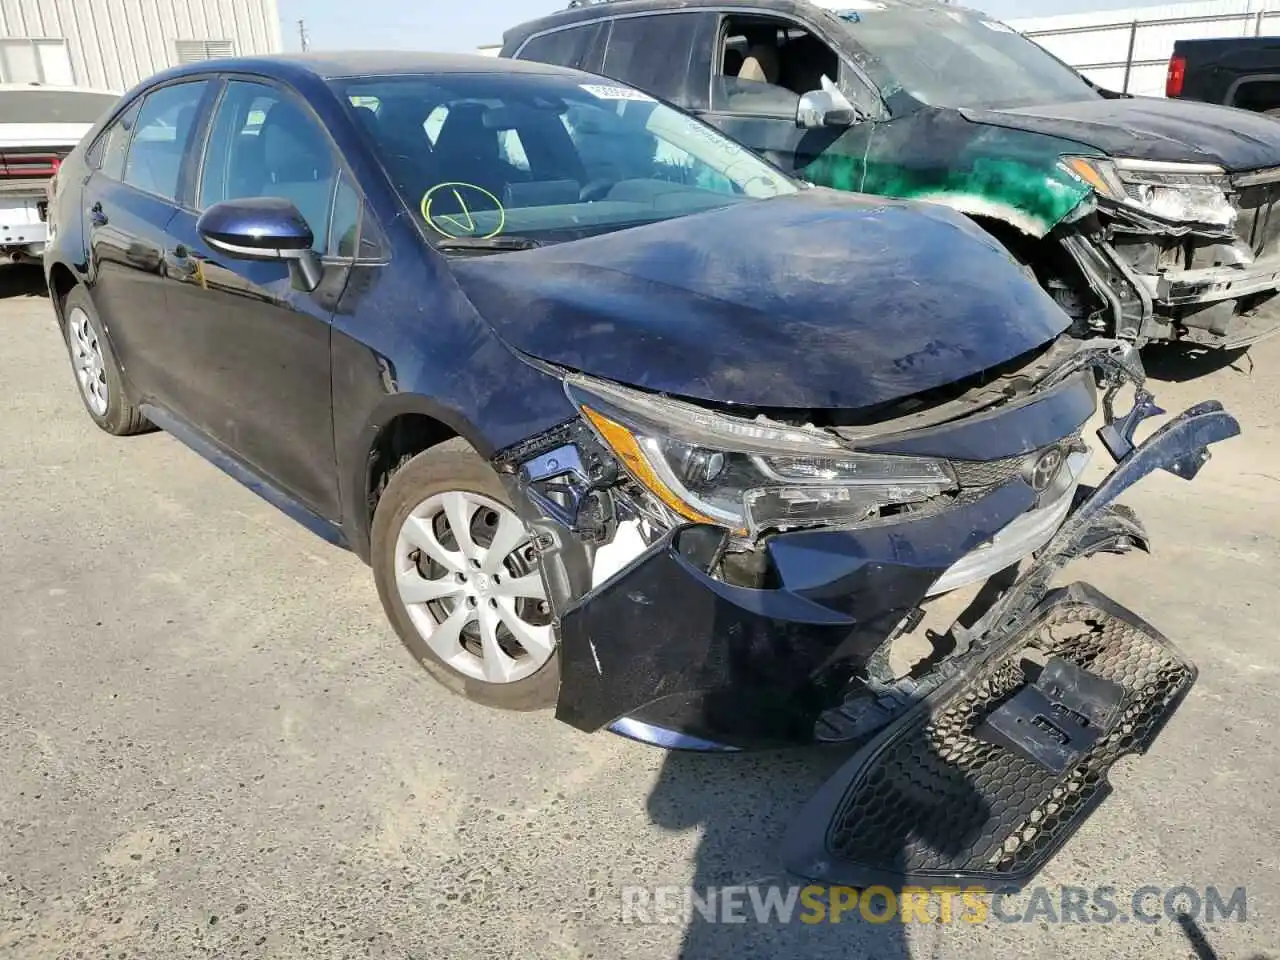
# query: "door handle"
{"type": "Point", "coordinates": [96, 215]}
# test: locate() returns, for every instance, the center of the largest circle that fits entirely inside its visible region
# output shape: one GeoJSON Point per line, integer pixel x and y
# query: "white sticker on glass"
{"type": "Point", "coordinates": [608, 92]}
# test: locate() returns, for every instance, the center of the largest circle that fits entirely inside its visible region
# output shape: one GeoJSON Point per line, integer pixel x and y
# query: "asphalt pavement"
{"type": "Point", "coordinates": [212, 745]}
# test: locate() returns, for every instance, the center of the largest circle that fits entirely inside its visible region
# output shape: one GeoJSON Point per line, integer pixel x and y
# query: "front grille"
{"type": "Point", "coordinates": [937, 800]}
{"type": "Point", "coordinates": [982, 475]}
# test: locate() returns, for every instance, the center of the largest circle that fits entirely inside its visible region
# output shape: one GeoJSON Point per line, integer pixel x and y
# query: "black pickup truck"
{"type": "Point", "coordinates": [1237, 71]}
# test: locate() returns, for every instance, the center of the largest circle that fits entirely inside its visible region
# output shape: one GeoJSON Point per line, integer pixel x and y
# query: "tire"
{"type": "Point", "coordinates": [452, 474]}
{"type": "Point", "coordinates": [98, 378]}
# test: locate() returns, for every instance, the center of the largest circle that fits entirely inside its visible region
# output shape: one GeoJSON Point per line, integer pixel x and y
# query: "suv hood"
{"type": "Point", "coordinates": [1152, 129]}
{"type": "Point", "coordinates": [815, 300]}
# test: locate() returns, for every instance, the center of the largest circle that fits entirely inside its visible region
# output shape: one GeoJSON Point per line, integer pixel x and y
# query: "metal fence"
{"type": "Point", "coordinates": [1129, 50]}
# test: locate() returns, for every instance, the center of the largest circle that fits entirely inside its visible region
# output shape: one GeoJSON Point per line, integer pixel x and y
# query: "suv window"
{"type": "Point", "coordinates": [652, 53]}
{"type": "Point", "coordinates": [264, 144]}
{"type": "Point", "coordinates": [765, 64]}
{"type": "Point", "coordinates": [154, 159]}
{"type": "Point", "coordinates": [576, 47]}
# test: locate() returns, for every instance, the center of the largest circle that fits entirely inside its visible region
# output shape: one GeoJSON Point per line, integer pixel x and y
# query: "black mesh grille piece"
{"type": "Point", "coordinates": [937, 801]}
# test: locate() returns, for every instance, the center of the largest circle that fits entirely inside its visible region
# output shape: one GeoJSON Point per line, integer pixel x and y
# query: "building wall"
{"type": "Point", "coordinates": [112, 44]}
{"type": "Point", "coordinates": [1097, 43]}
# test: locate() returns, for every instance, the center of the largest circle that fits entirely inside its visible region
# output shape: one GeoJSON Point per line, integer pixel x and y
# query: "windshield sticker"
{"type": "Point", "coordinates": [457, 210]}
{"type": "Point", "coordinates": [603, 91]}
{"type": "Point", "coordinates": [997, 26]}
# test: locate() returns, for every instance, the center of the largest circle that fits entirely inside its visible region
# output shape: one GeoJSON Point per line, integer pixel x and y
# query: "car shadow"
{"type": "Point", "coordinates": [1201, 948]}
{"type": "Point", "coordinates": [741, 806]}
{"type": "Point", "coordinates": [1178, 363]}
{"type": "Point", "coordinates": [22, 280]}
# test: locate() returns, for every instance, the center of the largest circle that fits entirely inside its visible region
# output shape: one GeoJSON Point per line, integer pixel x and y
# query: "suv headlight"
{"type": "Point", "coordinates": [748, 475]}
{"type": "Point", "coordinates": [1185, 192]}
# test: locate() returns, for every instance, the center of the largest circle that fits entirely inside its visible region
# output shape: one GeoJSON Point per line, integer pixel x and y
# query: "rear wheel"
{"type": "Point", "coordinates": [459, 579]}
{"type": "Point", "coordinates": [96, 370]}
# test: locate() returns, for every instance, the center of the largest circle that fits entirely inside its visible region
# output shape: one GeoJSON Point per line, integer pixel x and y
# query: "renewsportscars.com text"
{"type": "Point", "coordinates": [815, 903]}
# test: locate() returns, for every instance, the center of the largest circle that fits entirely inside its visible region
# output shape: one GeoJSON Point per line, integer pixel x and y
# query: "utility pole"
{"type": "Point", "coordinates": [302, 36]}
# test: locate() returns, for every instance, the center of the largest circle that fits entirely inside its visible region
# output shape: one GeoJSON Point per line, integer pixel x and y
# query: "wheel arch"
{"type": "Point", "coordinates": [403, 426]}
{"type": "Point", "coordinates": [1251, 83]}
{"type": "Point", "coordinates": [62, 280]}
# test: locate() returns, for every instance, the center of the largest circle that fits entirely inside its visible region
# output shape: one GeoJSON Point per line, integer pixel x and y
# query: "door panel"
{"type": "Point", "coordinates": [126, 236]}
{"type": "Point", "coordinates": [255, 358]}
{"type": "Point", "coordinates": [128, 203]}
{"type": "Point", "coordinates": [256, 363]}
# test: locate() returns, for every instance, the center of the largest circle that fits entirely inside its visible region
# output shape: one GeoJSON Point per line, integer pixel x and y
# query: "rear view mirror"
{"type": "Point", "coordinates": [263, 228]}
{"type": "Point", "coordinates": [827, 107]}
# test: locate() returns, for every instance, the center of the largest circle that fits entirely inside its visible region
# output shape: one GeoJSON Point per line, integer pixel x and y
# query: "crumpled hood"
{"type": "Point", "coordinates": [1153, 129]}
{"type": "Point", "coordinates": [817, 300]}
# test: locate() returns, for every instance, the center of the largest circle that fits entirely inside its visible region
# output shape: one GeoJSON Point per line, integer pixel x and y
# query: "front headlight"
{"type": "Point", "coordinates": [1185, 192]}
{"type": "Point", "coordinates": [748, 475]}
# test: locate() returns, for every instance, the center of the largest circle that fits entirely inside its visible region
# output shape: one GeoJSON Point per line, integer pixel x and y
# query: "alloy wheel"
{"type": "Point", "coordinates": [86, 357]}
{"type": "Point", "coordinates": [468, 575]}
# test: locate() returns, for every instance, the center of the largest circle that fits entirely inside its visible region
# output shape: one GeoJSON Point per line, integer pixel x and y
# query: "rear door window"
{"type": "Point", "coordinates": [577, 47]}
{"type": "Point", "coordinates": [154, 159]}
{"type": "Point", "coordinates": [653, 52]}
{"type": "Point", "coordinates": [111, 147]}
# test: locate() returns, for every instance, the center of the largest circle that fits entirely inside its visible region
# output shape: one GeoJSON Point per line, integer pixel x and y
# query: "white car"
{"type": "Point", "coordinates": [38, 127]}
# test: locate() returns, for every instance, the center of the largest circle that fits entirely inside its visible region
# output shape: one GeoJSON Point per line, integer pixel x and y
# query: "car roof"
{"type": "Point", "coordinates": [332, 65]}
{"type": "Point", "coordinates": [617, 8]}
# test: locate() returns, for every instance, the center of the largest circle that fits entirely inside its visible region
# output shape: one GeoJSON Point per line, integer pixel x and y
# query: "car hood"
{"type": "Point", "coordinates": [815, 300]}
{"type": "Point", "coordinates": [1152, 129]}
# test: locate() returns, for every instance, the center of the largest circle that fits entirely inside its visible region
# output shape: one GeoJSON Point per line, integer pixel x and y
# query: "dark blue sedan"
{"type": "Point", "coordinates": [624, 419]}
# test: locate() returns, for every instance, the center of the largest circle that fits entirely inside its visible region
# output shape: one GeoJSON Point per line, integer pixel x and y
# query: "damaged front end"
{"type": "Point", "coordinates": [721, 582]}
{"type": "Point", "coordinates": [1176, 252]}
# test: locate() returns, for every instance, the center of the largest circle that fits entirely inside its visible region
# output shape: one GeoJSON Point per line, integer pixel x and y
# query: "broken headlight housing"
{"type": "Point", "coordinates": [749, 475]}
{"type": "Point", "coordinates": [1182, 192]}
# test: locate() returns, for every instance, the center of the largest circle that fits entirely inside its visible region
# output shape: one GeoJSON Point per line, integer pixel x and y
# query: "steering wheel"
{"type": "Point", "coordinates": [596, 189]}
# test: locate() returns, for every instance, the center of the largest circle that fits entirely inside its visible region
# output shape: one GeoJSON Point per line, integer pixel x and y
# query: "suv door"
{"type": "Point", "coordinates": [129, 199]}
{"type": "Point", "coordinates": [257, 359]}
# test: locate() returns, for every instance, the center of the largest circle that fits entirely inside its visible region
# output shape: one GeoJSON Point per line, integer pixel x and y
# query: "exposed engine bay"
{"type": "Point", "coordinates": [1173, 252]}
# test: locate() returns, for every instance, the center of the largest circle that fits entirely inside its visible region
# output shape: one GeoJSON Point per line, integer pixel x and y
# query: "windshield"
{"type": "Point", "coordinates": [547, 157]}
{"type": "Point", "coordinates": [957, 58]}
{"type": "Point", "coordinates": [53, 106]}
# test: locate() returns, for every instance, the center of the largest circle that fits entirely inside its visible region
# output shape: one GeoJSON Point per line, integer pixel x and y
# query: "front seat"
{"type": "Point", "coordinates": [297, 164]}
{"type": "Point", "coordinates": [466, 150]}
{"type": "Point", "coordinates": [761, 64]}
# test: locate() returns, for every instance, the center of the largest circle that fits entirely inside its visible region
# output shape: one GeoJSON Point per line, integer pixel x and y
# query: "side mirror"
{"type": "Point", "coordinates": [825, 108]}
{"type": "Point", "coordinates": [263, 228]}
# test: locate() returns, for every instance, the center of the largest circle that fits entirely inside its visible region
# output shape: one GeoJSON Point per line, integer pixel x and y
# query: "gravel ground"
{"type": "Point", "coordinates": [212, 745]}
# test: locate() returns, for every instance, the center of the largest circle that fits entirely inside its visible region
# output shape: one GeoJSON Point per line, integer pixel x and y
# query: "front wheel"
{"type": "Point", "coordinates": [459, 579]}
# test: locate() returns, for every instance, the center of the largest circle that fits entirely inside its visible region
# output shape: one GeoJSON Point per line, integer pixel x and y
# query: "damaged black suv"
{"type": "Point", "coordinates": [1146, 219]}
{"type": "Point", "coordinates": [629, 422]}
